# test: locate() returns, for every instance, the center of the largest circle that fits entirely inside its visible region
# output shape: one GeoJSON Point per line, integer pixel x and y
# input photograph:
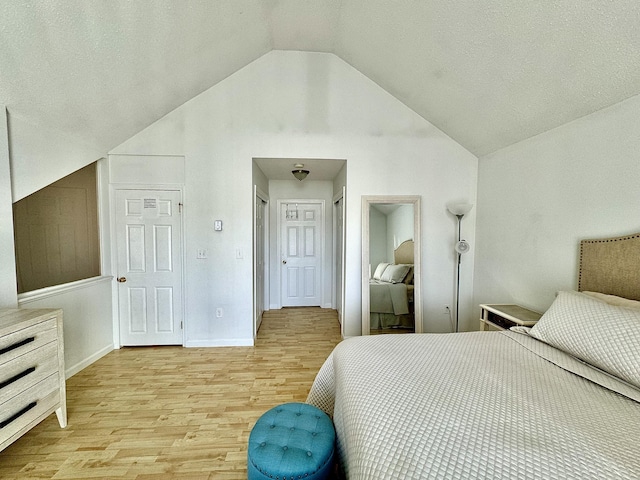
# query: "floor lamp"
{"type": "Point", "coordinates": [462, 246]}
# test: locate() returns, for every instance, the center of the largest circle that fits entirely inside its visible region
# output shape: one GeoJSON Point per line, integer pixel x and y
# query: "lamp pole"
{"type": "Point", "coordinates": [459, 210]}
{"type": "Point", "coordinates": [458, 274]}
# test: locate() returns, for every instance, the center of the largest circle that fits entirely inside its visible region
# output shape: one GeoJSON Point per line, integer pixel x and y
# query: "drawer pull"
{"type": "Point", "coordinates": [17, 377]}
{"type": "Point", "coordinates": [16, 345]}
{"type": "Point", "coordinates": [17, 415]}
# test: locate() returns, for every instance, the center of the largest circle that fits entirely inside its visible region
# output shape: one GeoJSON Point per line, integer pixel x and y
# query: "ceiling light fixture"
{"type": "Point", "coordinates": [299, 172]}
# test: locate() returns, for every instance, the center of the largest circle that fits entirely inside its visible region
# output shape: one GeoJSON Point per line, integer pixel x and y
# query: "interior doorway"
{"type": "Point", "coordinates": [149, 266]}
{"type": "Point", "coordinates": [260, 255]}
{"type": "Point", "coordinates": [301, 230]}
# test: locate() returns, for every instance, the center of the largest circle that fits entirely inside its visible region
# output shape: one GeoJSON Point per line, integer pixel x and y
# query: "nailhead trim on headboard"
{"type": "Point", "coordinates": [611, 265]}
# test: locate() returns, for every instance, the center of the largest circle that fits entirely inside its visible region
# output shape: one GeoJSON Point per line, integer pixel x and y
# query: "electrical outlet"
{"type": "Point", "coordinates": [446, 310]}
{"type": "Point", "coordinates": [219, 312]}
{"type": "Point", "coordinates": [201, 253]}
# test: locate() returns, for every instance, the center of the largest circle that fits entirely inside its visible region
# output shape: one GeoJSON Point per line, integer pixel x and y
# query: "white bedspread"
{"type": "Point", "coordinates": [492, 405]}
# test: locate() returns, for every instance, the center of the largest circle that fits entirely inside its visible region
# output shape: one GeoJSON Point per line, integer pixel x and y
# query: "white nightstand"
{"type": "Point", "coordinates": [505, 316]}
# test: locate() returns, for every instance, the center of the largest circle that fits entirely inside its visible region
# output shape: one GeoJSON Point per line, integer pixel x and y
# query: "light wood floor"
{"type": "Point", "coordinates": [172, 412]}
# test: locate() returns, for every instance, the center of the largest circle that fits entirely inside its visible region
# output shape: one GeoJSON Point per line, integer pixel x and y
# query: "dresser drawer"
{"type": "Point", "coordinates": [26, 339]}
{"type": "Point", "coordinates": [29, 406]}
{"type": "Point", "coordinates": [34, 366]}
{"type": "Point", "coordinates": [32, 381]}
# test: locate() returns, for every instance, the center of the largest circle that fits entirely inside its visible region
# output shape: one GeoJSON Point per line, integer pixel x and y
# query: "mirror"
{"type": "Point", "coordinates": [391, 300]}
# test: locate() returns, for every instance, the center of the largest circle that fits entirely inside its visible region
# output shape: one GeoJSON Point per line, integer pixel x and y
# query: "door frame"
{"type": "Point", "coordinates": [257, 193]}
{"type": "Point", "coordinates": [279, 203]}
{"type": "Point", "coordinates": [342, 195]}
{"type": "Point", "coordinates": [113, 188]}
{"type": "Point", "coordinates": [367, 201]}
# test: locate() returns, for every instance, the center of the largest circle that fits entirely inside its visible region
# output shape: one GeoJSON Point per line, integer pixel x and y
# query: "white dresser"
{"type": "Point", "coordinates": [32, 379]}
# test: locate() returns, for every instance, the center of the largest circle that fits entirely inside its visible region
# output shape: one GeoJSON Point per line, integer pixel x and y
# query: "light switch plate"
{"type": "Point", "coordinates": [217, 225]}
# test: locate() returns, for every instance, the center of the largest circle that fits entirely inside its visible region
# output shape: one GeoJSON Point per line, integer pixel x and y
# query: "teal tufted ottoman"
{"type": "Point", "coordinates": [291, 441]}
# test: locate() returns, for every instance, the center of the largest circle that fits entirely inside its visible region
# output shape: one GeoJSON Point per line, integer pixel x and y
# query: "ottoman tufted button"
{"type": "Point", "coordinates": [309, 444]}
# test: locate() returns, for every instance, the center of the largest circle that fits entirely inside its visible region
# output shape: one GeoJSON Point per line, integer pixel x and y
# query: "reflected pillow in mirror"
{"type": "Point", "coordinates": [377, 275]}
{"type": "Point", "coordinates": [395, 273]}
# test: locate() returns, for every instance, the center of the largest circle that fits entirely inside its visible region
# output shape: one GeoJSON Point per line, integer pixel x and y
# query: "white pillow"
{"type": "Point", "coordinates": [603, 335]}
{"type": "Point", "coordinates": [377, 275]}
{"type": "Point", "coordinates": [395, 273]}
{"type": "Point", "coordinates": [613, 300]}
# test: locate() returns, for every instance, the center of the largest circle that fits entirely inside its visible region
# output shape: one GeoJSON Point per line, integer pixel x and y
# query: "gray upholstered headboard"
{"type": "Point", "coordinates": [404, 253]}
{"type": "Point", "coordinates": [611, 266]}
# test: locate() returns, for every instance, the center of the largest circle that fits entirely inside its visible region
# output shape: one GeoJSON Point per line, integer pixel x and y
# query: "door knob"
{"type": "Point", "coordinates": [122, 279]}
{"type": "Point", "coordinates": [284, 262]}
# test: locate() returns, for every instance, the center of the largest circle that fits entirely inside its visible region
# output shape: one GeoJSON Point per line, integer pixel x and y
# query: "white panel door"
{"type": "Point", "coordinates": [301, 245]}
{"type": "Point", "coordinates": [149, 252]}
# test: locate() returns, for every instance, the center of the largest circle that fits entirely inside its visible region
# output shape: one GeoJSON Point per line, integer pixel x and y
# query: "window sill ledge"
{"type": "Point", "coordinates": [55, 290]}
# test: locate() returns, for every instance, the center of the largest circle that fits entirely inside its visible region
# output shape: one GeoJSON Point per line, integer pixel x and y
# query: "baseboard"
{"type": "Point", "coordinates": [231, 342]}
{"type": "Point", "coordinates": [278, 307]}
{"type": "Point", "coordinates": [71, 371]}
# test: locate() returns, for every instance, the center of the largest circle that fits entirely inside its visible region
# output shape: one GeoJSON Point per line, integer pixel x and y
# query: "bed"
{"type": "Point", "coordinates": [391, 291]}
{"type": "Point", "coordinates": [559, 400]}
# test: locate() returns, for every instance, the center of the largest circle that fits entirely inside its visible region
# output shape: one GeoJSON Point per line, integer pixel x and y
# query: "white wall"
{"type": "Point", "coordinates": [260, 180]}
{"type": "Point", "coordinates": [537, 199]}
{"type": "Point", "coordinates": [399, 228]}
{"type": "Point", "coordinates": [86, 304]}
{"type": "Point", "coordinates": [305, 105]}
{"type": "Point", "coordinates": [377, 239]}
{"type": "Point", "coordinates": [34, 146]}
{"type": "Point", "coordinates": [340, 180]}
{"type": "Point", "coordinates": [86, 309]}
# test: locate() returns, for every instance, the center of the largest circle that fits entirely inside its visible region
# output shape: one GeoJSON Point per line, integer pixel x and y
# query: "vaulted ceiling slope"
{"type": "Point", "coordinates": [488, 73]}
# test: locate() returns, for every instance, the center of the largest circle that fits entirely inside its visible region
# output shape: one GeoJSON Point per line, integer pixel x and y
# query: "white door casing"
{"type": "Point", "coordinates": [301, 239]}
{"type": "Point", "coordinates": [260, 267]}
{"type": "Point", "coordinates": [339, 255]}
{"type": "Point", "coordinates": [149, 263]}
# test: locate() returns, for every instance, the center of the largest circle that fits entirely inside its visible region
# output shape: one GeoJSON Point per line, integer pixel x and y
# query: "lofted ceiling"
{"type": "Point", "coordinates": [487, 73]}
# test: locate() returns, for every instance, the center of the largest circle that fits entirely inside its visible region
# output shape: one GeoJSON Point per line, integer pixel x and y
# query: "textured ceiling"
{"type": "Point", "coordinates": [487, 73]}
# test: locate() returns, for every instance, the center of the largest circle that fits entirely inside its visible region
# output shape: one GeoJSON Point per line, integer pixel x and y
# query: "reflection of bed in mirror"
{"type": "Point", "coordinates": [391, 292]}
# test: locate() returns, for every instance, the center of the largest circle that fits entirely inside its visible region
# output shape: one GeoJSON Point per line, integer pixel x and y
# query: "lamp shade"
{"type": "Point", "coordinates": [459, 208]}
{"type": "Point", "coordinates": [299, 172]}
